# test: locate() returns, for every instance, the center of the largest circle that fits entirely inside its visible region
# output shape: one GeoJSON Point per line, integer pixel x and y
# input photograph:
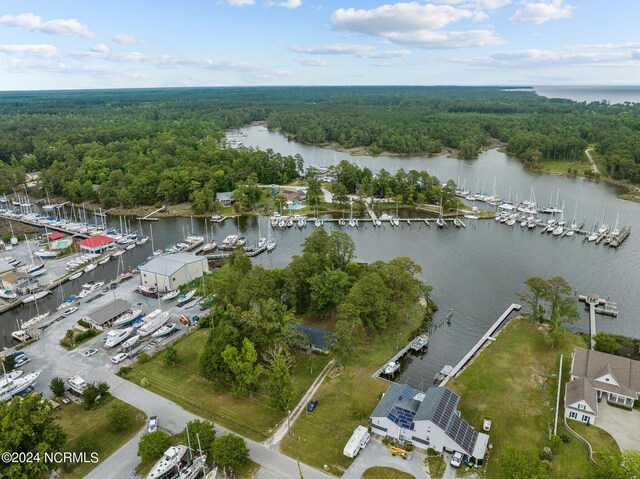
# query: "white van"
{"type": "Point", "coordinates": [118, 358]}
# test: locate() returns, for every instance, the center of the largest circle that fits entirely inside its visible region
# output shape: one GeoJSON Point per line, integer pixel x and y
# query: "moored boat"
{"type": "Point", "coordinates": [117, 336]}
{"type": "Point", "coordinates": [391, 368]}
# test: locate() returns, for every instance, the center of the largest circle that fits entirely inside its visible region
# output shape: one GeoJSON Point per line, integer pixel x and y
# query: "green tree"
{"type": "Point", "coordinates": [9, 363]}
{"type": "Point", "coordinates": [564, 309]}
{"type": "Point", "coordinates": [120, 417]}
{"type": "Point", "coordinates": [616, 466]}
{"type": "Point", "coordinates": [221, 336]}
{"type": "Point", "coordinates": [280, 386]}
{"type": "Point", "coordinates": [86, 442]}
{"type": "Point", "coordinates": [328, 290]}
{"type": "Point", "coordinates": [93, 393]}
{"type": "Point", "coordinates": [29, 425]}
{"type": "Point", "coordinates": [606, 343]}
{"type": "Point", "coordinates": [170, 356]}
{"type": "Point", "coordinates": [537, 291]}
{"type": "Point", "coordinates": [344, 249]}
{"type": "Point", "coordinates": [521, 464]}
{"type": "Point", "coordinates": [200, 430]}
{"type": "Point", "coordinates": [244, 366]}
{"type": "Point", "coordinates": [230, 451]}
{"type": "Point", "coordinates": [340, 197]}
{"type": "Point", "coordinates": [57, 387]}
{"type": "Point", "coordinates": [152, 445]}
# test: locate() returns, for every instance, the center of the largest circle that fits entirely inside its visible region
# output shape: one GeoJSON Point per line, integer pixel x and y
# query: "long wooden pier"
{"type": "Point", "coordinates": [149, 217]}
{"type": "Point", "coordinates": [486, 337]}
{"type": "Point", "coordinates": [593, 302]}
{"type": "Point", "coordinates": [48, 226]}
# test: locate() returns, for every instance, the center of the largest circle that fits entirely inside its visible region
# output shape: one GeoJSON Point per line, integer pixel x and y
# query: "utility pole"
{"type": "Point", "coordinates": [289, 422]}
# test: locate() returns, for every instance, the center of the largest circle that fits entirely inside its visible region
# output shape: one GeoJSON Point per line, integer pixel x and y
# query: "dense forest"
{"type": "Point", "coordinates": [166, 145]}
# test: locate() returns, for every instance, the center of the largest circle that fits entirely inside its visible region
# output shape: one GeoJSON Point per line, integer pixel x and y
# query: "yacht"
{"type": "Point", "coordinates": [210, 246]}
{"type": "Point", "coordinates": [127, 317]}
{"type": "Point", "coordinates": [229, 242]}
{"type": "Point", "coordinates": [21, 336]}
{"type": "Point", "coordinates": [77, 384]}
{"type": "Point", "coordinates": [7, 378]}
{"type": "Point", "coordinates": [183, 298]}
{"type": "Point", "coordinates": [262, 242]}
{"type": "Point", "coordinates": [420, 342]}
{"type": "Point", "coordinates": [167, 466]}
{"type": "Point", "coordinates": [46, 254]}
{"type": "Point", "coordinates": [35, 320]}
{"type": "Point", "coordinates": [16, 386]}
{"type": "Point", "coordinates": [164, 330]}
{"type": "Point", "coordinates": [131, 342]}
{"type": "Point", "coordinates": [271, 244]}
{"type": "Point", "coordinates": [241, 241]}
{"type": "Point", "coordinates": [558, 230]}
{"type": "Point", "coordinates": [152, 322]}
{"type": "Point", "coordinates": [8, 294]}
{"type": "Point", "coordinates": [391, 368]}
{"type": "Point", "coordinates": [116, 336]}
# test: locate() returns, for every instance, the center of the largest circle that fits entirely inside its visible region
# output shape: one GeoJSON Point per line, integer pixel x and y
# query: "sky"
{"type": "Point", "coordinates": [69, 44]}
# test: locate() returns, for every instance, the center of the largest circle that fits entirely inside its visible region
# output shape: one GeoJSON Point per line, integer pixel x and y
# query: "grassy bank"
{"type": "Point", "coordinates": [183, 385]}
{"type": "Point", "coordinates": [78, 421]}
{"type": "Point", "coordinates": [512, 383]}
{"type": "Point", "coordinates": [385, 473]}
{"type": "Point", "coordinates": [600, 440]}
{"type": "Point", "coordinates": [345, 400]}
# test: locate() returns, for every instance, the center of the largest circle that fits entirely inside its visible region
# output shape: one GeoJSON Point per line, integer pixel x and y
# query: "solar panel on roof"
{"type": "Point", "coordinates": [445, 408]}
{"type": "Point", "coordinates": [463, 434]}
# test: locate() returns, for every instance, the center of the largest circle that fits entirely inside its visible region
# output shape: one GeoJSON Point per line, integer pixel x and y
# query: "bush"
{"type": "Point", "coordinates": [84, 324]}
{"type": "Point", "coordinates": [57, 387]}
{"type": "Point", "coordinates": [9, 363]}
{"type": "Point", "coordinates": [170, 356]}
{"type": "Point", "coordinates": [555, 443]}
{"type": "Point", "coordinates": [142, 358]}
{"type": "Point", "coordinates": [565, 438]}
{"type": "Point", "coordinates": [125, 372]}
{"type": "Point", "coordinates": [144, 382]}
{"type": "Point", "coordinates": [546, 454]}
{"type": "Point", "coordinates": [152, 445]}
{"type": "Point", "coordinates": [120, 417]}
{"type": "Point", "coordinates": [230, 451]}
{"type": "Point", "coordinates": [606, 343]}
{"type": "Point", "coordinates": [431, 451]}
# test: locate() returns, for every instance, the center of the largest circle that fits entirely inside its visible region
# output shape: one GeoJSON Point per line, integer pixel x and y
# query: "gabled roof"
{"type": "Point", "coordinates": [590, 365]}
{"type": "Point", "coordinates": [107, 312]}
{"type": "Point", "coordinates": [319, 338]}
{"type": "Point", "coordinates": [96, 241]}
{"type": "Point", "coordinates": [396, 394]}
{"type": "Point", "coordinates": [581, 390]}
{"type": "Point", "coordinates": [56, 235]}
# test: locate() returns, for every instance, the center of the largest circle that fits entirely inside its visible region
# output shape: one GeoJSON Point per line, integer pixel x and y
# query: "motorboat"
{"type": "Point", "coordinates": [164, 330]}
{"type": "Point", "coordinates": [75, 275]}
{"type": "Point", "coordinates": [127, 317]}
{"type": "Point", "coordinates": [318, 222]}
{"type": "Point", "coordinates": [77, 384]}
{"type": "Point", "coordinates": [90, 267]}
{"type": "Point", "coordinates": [592, 237]}
{"type": "Point", "coordinates": [353, 223]}
{"type": "Point", "coordinates": [289, 222]}
{"type": "Point", "coordinates": [241, 241]}
{"type": "Point", "coordinates": [395, 222]}
{"type": "Point", "coordinates": [420, 342]}
{"type": "Point", "coordinates": [377, 222]}
{"type": "Point", "coordinates": [117, 336]}
{"type": "Point", "coordinates": [70, 311]}
{"type": "Point", "coordinates": [131, 342]}
{"type": "Point", "coordinates": [170, 295]}
{"type": "Point", "coordinates": [152, 322]}
{"type": "Point", "coordinates": [262, 242]}
{"type": "Point", "coordinates": [104, 260]}
{"type": "Point", "coordinates": [282, 223]}
{"type": "Point", "coordinates": [16, 386]}
{"type": "Point", "coordinates": [8, 294]}
{"type": "Point", "coordinates": [36, 296]}
{"type": "Point", "coordinates": [229, 242]}
{"type": "Point", "coordinates": [168, 464]}
{"type": "Point", "coordinates": [271, 244]}
{"type": "Point", "coordinates": [391, 368]}
{"type": "Point", "coordinates": [302, 223]}
{"type": "Point", "coordinates": [21, 336]}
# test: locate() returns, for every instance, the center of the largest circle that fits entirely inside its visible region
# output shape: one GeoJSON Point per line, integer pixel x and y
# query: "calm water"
{"type": "Point", "coordinates": [612, 94]}
{"type": "Point", "coordinates": [477, 271]}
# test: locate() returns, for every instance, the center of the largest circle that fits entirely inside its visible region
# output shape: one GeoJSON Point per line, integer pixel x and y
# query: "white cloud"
{"type": "Point", "coordinates": [40, 50]}
{"type": "Point", "coordinates": [532, 12]}
{"type": "Point", "coordinates": [290, 4]}
{"type": "Point", "coordinates": [100, 48]}
{"type": "Point", "coordinates": [420, 25]}
{"type": "Point", "coordinates": [125, 39]}
{"type": "Point", "coordinates": [240, 3]}
{"type": "Point", "coordinates": [360, 51]}
{"type": "Point", "coordinates": [312, 62]}
{"type": "Point", "coordinates": [31, 22]}
{"type": "Point", "coordinates": [479, 4]}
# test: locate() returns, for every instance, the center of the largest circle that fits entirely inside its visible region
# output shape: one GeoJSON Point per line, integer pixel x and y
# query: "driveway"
{"type": "Point", "coordinates": [622, 424]}
{"type": "Point", "coordinates": [377, 454]}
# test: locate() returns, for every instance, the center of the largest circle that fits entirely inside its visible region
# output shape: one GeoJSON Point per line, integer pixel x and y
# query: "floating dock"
{"type": "Point", "coordinates": [487, 337]}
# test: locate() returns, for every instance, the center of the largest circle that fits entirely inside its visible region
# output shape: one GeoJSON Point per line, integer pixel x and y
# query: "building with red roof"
{"type": "Point", "coordinates": [56, 235]}
{"type": "Point", "coordinates": [95, 244]}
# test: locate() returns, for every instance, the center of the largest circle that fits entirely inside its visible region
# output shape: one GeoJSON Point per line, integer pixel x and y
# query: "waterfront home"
{"type": "Point", "coordinates": [225, 198]}
{"type": "Point", "coordinates": [596, 376]}
{"type": "Point", "coordinates": [314, 339]}
{"type": "Point", "coordinates": [427, 420]}
{"type": "Point", "coordinates": [293, 196]}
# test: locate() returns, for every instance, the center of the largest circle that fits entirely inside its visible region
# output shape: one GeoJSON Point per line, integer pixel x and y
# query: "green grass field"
{"type": "Point", "coordinates": [511, 382]}
{"type": "Point", "coordinates": [437, 466]}
{"type": "Point", "coordinates": [385, 473]}
{"type": "Point", "coordinates": [183, 385]}
{"type": "Point", "coordinates": [76, 420]}
{"type": "Point", "coordinates": [600, 440]}
{"type": "Point", "coordinates": [345, 400]}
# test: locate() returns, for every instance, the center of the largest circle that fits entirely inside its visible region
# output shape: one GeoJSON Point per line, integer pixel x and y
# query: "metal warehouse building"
{"type": "Point", "coordinates": [169, 272]}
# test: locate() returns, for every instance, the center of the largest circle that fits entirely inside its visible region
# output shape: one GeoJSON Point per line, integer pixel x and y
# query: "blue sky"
{"type": "Point", "coordinates": [139, 43]}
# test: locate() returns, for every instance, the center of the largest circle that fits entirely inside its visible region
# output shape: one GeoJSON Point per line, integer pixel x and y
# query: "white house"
{"type": "Point", "coordinates": [427, 420]}
{"type": "Point", "coordinates": [169, 272]}
{"type": "Point", "coordinates": [596, 376]}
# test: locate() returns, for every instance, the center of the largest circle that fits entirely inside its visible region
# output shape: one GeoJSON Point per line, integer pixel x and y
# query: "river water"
{"type": "Point", "coordinates": [477, 271]}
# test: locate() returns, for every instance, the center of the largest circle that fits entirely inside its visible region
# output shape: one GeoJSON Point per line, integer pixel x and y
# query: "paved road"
{"type": "Point", "coordinates": [52, 360]}
{"type": "Point", "coordinates": [376, 454]}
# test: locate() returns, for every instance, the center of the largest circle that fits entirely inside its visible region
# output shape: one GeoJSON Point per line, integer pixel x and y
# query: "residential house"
{"type": "Point", "coordinates": [315, 339]}
{"type": "Point", "coordinates": [225, 198]}
{"type": "Point", "coordinates": [293, 196]}
{"type": "Point", "coordinates": [427, 420]}
{"type": "Point", "coordinates": [17, 281]}
{"type": "Point", "coordinates": [596, 376]}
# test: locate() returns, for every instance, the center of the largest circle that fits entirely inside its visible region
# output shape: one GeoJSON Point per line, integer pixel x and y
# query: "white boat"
{"type": "Point", "coordinates": [170, 295]}
{"type": "Point", "coordinates": [391, 368]}
{"type": "Point", "coordinates": [229, 241]}
{"type": "Point", "coordinates": [394, 222]}
{"type": "Point", "coordinates": [75, 275]}
{"type": "Point", "coordinates": [16, 386]}
{"type": "Point", "coordinates": [241, 241]}
{"type": "Point", "coordinates": [183, 298]}
{"type": "Point", "coordinates": [45, 254]}
{"type": "Point", "coordinates": [289, 222]}
{"type": "Point", "coordinates": [35, 320]}
{"type": "Point", "coordinates": [70, 311]}
{"type": "Point", "coordinates": [20, 335]}
{"type": "Point", "coordinates": [36, 296]}
{"type": "Point", "coordinates": [77, 384]}
{"type": "Point", "coordinates": [302, 223]}
{"type": "Point", "coordinates": [115, 254]}
{"type": "Point", "coordinates": [104, 260]}
{"type": "Point", "coordinates": [271, 244]}
{"type": "Point", "coordinates": [8, 294]}
{"type": "Point", "coordinates": [440, 223]}
{"type": "Point", "coordinates": [353, 223]}
{"type": "Point", "coordinates": [142, 240]}
{"type": "Point", "coordinates": [558, 230]}
{"type": "Point", "coordinates": [377, 222]}
{"type": "Point", "coordinates": [131, 342]}
{"type": "Point", "coordinates": [164, 330]}
{"type": "Point", "coordinates": [210, 246]}
{"type": "Point", "coordinates": [282, 223]}
{"type": "Point", "coordinates": [116, 336]}
{"type": "Point", "coordinates": [7, 378]}
{"type": "Point", "coordinates": [127, 317]}
{"type": "Point", "coordinates": [570, 233]}
{"type": "Point", "coordinates": [90, 268]}
{"type": "Point", "coordinates": [152, 322]}
{"type": "Point", "coordinates": [167, 466]}
{"type": "Point", "coordinates": [318, 222]}
{"type": "Point", "coordinates": [130, 247]}
{"type": "Point", "coordinates": [471, 217]}
{"type": "Point", "coordinates": [262, 242]}
{"type": "Point", "coordinates": [420, 342]}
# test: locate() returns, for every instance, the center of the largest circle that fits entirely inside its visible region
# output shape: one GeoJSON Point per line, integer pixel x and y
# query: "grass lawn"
{"type": "Point", "coordinates": [183, 385]}
{"type": "Point", "coordinates": [511, 382]}
{"type": "Point", "coordinates": [345, 400]}
{"type": "Point", "coordinates": [76, 420]}
{"type": "Point", "coordinates": [600, 440]}
{"type": "Point", "coordinates": [385, 473]}
{"type": "Point", "coordinates": [562, 167]}
{"type": "Point", "coordinates": [436, 466]}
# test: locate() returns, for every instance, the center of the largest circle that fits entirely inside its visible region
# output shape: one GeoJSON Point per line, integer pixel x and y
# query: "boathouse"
{"type": "Point", "coordinates": [96, 243]}
{"type": "Point", "coordinates": [427, 420]}
{"type": "Point", "coordinates": [169, 272]}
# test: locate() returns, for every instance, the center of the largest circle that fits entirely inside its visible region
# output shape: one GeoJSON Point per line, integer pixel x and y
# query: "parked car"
{"type": "Point", "coordinates": [312, 405]}
{"type": "Point", "coordinates": [118, 358]}
{"type": "Point", "coordinates": [486, 424]}
{"type": "Point", "coordinates": [21, 361]}
{"type": "Point", "coordinates": [153, 424]}
{"type": "Point", "coordinates": [456, 460]}
{"type": "Point", "coordinates": [89, 352]}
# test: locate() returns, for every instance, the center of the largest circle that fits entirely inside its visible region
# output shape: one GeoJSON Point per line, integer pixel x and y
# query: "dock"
{"type": "Point", "coordinates": [219, 219]}
{"type": "Point", "coordinates": [597, 305]}
{"type": "Point", "coordinates": [250, 251]}
{"type": "Point", "coordinates": [488, 336]}
{"type": "Point", "coordinates": [149, 217]}
{"type": "Point", "coordinates": [48, 226]}
{"type": "Point", "coordinates": [395, 358]}
{"type": "Point", "coordinates": [621, 237]}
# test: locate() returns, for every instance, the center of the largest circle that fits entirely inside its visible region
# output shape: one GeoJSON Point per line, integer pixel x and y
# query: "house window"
{"type": "Point", "coordinates": [585, 418]}
{"type": "Point", "coordinates": [573, 415]}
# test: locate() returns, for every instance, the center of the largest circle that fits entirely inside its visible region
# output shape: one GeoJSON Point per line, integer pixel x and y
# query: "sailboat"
{"type": "Point", "coordinates": [261, 241]}
{"type": "Point", "coordinates": [603, 227]}
{"type": "Point", "coordinates": [353, 223]}
{"type": "Point", "coordinates": [271, 242]}
{"type": "Point", "coordinates": [440, 222]}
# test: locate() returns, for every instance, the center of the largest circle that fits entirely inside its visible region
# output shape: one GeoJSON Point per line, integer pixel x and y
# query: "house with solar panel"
{"type": "Point", "coordinates": [427, 420]}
